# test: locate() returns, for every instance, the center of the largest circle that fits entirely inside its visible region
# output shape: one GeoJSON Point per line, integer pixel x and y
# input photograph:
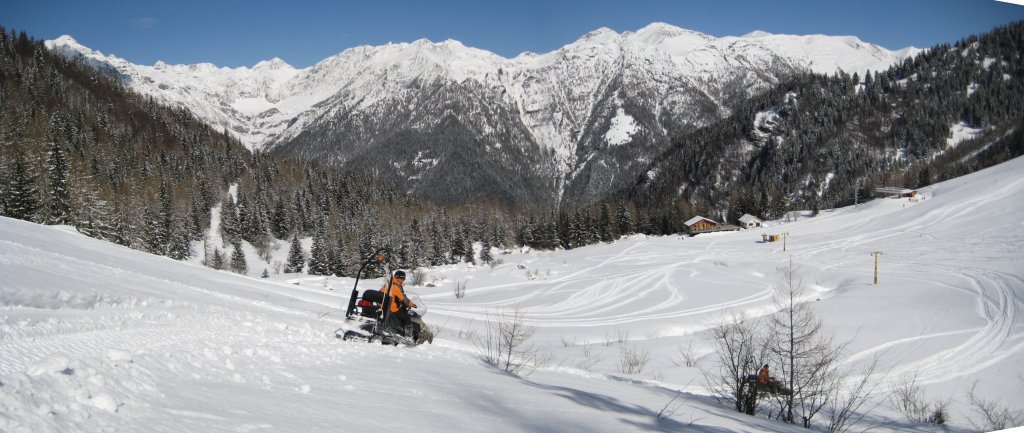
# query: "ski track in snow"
{"type": "Point", "coordinates": [997, 300]}
{"type": "Point", "coordinates": [598, 297]}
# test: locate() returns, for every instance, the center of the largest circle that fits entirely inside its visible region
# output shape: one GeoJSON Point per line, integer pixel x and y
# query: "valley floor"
{"type": "Point", "coordinates": [96, 337]}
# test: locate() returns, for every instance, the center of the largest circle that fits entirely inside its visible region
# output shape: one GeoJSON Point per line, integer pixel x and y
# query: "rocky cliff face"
{"type": "Point", "coordinates": [453, 123]}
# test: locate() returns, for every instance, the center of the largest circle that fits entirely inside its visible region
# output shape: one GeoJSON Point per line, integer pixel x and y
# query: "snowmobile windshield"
{"type": "Point", "coordinates": [421, 308]}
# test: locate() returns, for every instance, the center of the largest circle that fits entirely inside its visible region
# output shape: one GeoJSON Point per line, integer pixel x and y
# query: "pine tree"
{"type": "Point", "coordinates": [339, 256]}
{"type": "Point", "coordinates": [280, 224]}
{"type": "Point", "coordinates": [22, 201]}
{"type": "Point", "coordinates": [217, 262]}
{"type": "Point", "coordinates": [238, 264]}
{"type": "Point", "coordinates": [605, 228]}
{"type": "Point", "coordinates": [59, 192]}
{"type": "Point", "coordinates": [229, 220]}
{"type": "Point", "coordinates": [415, 242]}
{"type": "Point", "coordinates": [319, 256]}
{"type": "Point", "coordinates": [438, 252]}
{"type": "Point", "coordinates": [624, 220]}
{"type": "Point", "coordinates": [485, 252]}
{"type": "Point", "coordinates": [163, 226]}
{"type": "Point", "coordinates": [179, 247]}
{"type": "Point", "coordinates": [469, 255]}
{"type": "Point", "coordinates": [296, 258]}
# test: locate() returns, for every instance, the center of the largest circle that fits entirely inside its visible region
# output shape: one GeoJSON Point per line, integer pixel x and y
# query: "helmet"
{"type": "Point", "coordinates": [400, 274]}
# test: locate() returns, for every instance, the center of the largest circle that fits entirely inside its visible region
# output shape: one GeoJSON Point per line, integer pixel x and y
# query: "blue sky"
{"type": "Point", "coordinates": [241, 33]}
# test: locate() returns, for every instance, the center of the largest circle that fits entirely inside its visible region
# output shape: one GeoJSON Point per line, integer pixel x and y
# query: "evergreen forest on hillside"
{"type": "Point", "coordinates": [79, 149]}
{"type": "Point", "coordinates": [817, 142]}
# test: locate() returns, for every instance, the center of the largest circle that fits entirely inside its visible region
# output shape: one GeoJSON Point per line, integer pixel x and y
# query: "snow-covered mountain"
{"type": "Point", "coordinates": [545, 125]}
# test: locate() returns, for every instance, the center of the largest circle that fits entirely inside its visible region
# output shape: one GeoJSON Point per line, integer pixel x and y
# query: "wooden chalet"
{"type": "Point", "coordinates": [895, 192]}
{"type": "Point", "coordinates": [699, 224]}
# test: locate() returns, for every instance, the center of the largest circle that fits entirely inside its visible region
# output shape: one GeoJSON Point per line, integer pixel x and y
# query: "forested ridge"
{"type": "Point", "coordinates": [79, 149]}
{"type": "Point", "coordinates": [817, 141]}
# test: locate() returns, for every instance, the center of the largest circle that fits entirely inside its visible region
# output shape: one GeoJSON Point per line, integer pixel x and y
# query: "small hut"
{"type": "Point", "coordinates": [749, 221]}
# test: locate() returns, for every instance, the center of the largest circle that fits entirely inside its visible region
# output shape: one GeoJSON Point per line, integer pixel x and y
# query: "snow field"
{"type": "Point", "coordinates": [97, 337]}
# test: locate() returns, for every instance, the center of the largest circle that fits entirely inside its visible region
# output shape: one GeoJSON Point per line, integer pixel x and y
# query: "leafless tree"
{"type": "Point", "coordinates": [805, 357]}
{"type": "Point", "coordinates": [741, 349]}
{"type": "Point", "coordinates": [853, 401]}
{"type": "Point", "coordinates": [506, 342]}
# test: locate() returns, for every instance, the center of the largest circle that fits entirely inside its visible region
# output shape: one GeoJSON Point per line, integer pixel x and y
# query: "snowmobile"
{"type": "Point", "coordinates": [772, 387]}
{"type": "Point", "coordinates": [367, 317]}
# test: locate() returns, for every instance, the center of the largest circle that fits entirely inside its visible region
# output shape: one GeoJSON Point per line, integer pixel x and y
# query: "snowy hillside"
{"type": "Point", "coordinates": [96, 337]}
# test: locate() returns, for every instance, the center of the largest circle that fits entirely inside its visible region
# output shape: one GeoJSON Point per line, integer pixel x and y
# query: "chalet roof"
{"type": "Point", "coordinates": [697, 219]}
{"type": "Point", "coordinates": [748, 218]}
{"type": "Point", "coordinates": [893, 190]}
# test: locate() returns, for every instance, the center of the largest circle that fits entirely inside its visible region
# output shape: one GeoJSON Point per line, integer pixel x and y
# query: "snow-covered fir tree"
{"type": "Point", "coordinates": [229, 220]}
{"type": "Point", "coordinates": [319, 254]}
{"type": "Point", "coordinates": [22, 199]}
{"type": "Point", "coordinates": [238, 264]}
{"type": "Point", "coordinates": [59, 200]}
{"type": "Point", "coordinates": [296, 257]}
{"type": "Point", "coordinates": [485, 252]}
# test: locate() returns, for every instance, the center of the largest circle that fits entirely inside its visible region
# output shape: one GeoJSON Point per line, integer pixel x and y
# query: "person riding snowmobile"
{"type": "Point", "coordinates": [399, 305]}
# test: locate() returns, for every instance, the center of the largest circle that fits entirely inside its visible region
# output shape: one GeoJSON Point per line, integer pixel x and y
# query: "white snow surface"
{"type": "Point", "coordinates": [622, 129]}
{"type": "Point", "coordinates": [96, 337]}
{"type": "Point", "coordinates": [273, 101]}
{"type": "Point", "coordinates": [960, 132]}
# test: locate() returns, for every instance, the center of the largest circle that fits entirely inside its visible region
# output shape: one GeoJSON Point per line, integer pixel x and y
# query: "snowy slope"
{"type": "Point", "coordinates": [96, 337]}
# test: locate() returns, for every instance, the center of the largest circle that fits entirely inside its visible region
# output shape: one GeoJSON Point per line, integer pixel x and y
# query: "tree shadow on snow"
{"type": "Point", "coordinates": [636, 413]}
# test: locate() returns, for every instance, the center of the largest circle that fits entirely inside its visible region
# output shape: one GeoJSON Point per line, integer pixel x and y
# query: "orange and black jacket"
{"type": "Point", "coordinates": [397, 295]}
{"type": "Point", "coordinates": [762, 376]}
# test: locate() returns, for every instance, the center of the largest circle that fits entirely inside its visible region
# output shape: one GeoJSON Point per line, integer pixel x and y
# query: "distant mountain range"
{"type": "Point", "coordinates": [457, 124]}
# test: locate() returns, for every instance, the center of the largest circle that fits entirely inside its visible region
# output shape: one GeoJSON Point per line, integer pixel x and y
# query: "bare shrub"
{"type": "Point", "coordinates": [620, 337]}
{"type": "Point", "coordinates": [506, 342]}
{"type": "Point", "coordinates": [418, 277]}
{"type": "Point", "coordinates": [590, 359]}
{"type": "Point", "coordinates": [633, 360]}
{"type": "Point", "coordinates": [685, 355]}
{"type": "Point", "coordinates": [848, 405]}
{"type": "Point", "coordinates": [496, 262]}
{"type": "Point", "coordinates": [460, 289]}
{"type": "Point", "coordinates": [992, 414]}
{"type": "Point", "coordinates": [265, 248]}
{"type": "Point", "coordinates": [906, 397]}
{"type": "Point", "coordinates": [569, 342]}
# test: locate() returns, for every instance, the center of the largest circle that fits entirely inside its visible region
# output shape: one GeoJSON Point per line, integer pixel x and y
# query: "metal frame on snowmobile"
{"type": "Point", "coordinates": [367, 316]}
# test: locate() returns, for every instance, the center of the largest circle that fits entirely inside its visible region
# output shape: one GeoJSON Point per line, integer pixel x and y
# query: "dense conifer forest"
{"type": "Point", "coordinates": [79, 149]}
{"type": "Point", "coordinates": [816, 142]}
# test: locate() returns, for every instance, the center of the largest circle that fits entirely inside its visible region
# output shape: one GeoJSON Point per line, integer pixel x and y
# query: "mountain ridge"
{"type": "Point", "coordinates": [555, 109]}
